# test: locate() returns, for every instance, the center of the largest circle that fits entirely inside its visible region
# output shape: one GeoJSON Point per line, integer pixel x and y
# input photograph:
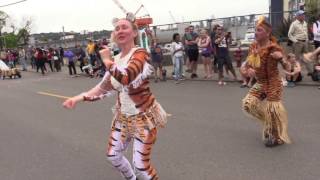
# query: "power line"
{"type": "Point", "coordinates": [12, 3]}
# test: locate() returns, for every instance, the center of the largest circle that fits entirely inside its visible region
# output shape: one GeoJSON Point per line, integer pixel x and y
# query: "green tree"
{"type": "Point", "coordinates": [3, 18]}
{"type": "Point", "coordinates": [312, 10]}
{"type": "Point", "coordinates": [24, 32]}
{"type": "Point", "coordinates": [10, 40]}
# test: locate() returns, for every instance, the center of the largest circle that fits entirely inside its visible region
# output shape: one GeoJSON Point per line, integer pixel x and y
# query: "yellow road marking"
{"type": "Point", "coordinates": [53, 95]}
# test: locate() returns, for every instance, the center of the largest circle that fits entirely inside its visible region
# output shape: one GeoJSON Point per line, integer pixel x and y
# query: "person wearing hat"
{"type": "Point", "coordinates": [298, 34]}
{"type": "Point", "coordinates": [263, 101]}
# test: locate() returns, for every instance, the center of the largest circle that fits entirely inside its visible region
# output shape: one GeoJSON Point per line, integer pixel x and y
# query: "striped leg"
{"type": "Point", "coordinates": [141, 155]}
{"type": "Point", "coordinates": [115, 154]}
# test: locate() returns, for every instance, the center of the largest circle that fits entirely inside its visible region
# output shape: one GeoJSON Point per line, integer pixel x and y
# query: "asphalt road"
{"type": "Point", "coordinates": [207, 138]}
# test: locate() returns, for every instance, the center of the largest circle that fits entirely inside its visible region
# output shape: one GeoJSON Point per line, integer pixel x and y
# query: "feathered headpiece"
{"type": "Point", "coordinates": [264, 24]}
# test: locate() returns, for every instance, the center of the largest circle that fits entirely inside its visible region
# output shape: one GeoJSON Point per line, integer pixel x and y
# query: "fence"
{"type": "Point", "coordinates": [237, 25]}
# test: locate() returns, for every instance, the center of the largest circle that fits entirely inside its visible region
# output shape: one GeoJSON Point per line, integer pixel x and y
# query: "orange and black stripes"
{"type": "Point", "coordinates": [267, 74]}
{"type": "Point", "coordinates": [143, 141]}
{"type": "Point", "coordinates": [141, 96]}
{"type": "Point", "coordinates": [142, 155]}
{"type": "Point", "coordinates": [135, 67]}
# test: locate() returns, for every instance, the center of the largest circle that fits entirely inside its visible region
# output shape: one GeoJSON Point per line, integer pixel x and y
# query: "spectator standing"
{"type": "Point", "coordinates": [40, 60]}
{"type": "Point", "coordinates": [157, 58]}
{"type": "Point", "coordinates": [177, 55]}
{"type": "Point", "coordinates": [56, 61]}
{"type": "Point", "coordinates": [193, 51]}
{"type": "Point", "coordinates": [10, 59]}
{"type": "Point", "coordinates": [91, 52]}
{"type": "Point", "coordinates": [205, 49]}
{"type": "Point", "coordinates": [316, 33]}
{"type": "Point", "coordinates": [298, 34]}
{"type": "Point", "coordinates": [22, 58]}
{"type": "Point", "coordinates": [213, 39]}
{"type": "Point", "coordinates": [49, 58]}
{"type": "Point", "coordinates": [80, 54]}
{"type": "Point", "coordinates": [223, 58]}
{"type": "Point", "coordinates": [61, 53]}
{"type": "Point", "coordinates": [187, 61]}
{"type": "Point", "coordinates": [71, 62]}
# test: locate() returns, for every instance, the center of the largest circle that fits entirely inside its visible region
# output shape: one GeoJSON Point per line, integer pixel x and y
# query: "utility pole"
{"type": "Point", "coordinates": [63, 37]}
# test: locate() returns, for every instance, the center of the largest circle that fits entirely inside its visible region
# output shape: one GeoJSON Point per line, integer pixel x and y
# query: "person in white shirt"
{"type": "Point", "coordinates": [316, 33]}
{"type": "Point", "coordinates": [22, 58]}
{"type": "Point", "coordinates": [177, 55]}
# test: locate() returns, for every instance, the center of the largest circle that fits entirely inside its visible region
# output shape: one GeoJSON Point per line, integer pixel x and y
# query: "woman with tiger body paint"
{"type": "Point", "coordinates": [263, 101]}
{"type": "Point", "coordinates": [137, 115]}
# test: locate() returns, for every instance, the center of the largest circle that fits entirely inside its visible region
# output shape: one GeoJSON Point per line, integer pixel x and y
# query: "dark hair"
{"type": "Point", "coordinates": [175, 36]}
{"type": "Point", "coordinates": [215, 27]}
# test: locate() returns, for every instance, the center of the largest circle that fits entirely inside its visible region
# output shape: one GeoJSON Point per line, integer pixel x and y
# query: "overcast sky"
{"type": "Point", "coordinates": [79, 15]}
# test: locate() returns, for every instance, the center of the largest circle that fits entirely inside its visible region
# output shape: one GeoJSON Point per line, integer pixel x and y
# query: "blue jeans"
{"type": "Point", "coordinates": [178, 67]}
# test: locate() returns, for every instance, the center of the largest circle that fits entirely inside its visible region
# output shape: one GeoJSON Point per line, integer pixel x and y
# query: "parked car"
{"type": "Point", "coordinates": [249, 37]}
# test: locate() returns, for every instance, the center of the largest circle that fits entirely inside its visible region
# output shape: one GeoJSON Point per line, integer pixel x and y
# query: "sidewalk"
{"type": "Point", "coordinates": [306, 81]}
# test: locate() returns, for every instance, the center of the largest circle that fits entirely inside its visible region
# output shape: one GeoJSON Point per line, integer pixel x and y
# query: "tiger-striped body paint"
{"type": "Point", "coordinates": [263, 101]}
{"type": "Point", "coordinates": [143, 139]}
{"type": "Point", "coordinates": [137, 113]}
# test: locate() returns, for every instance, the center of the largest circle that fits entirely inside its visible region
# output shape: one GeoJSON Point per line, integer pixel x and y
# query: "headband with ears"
{"type": "Point", "coordinates": [129, 17]}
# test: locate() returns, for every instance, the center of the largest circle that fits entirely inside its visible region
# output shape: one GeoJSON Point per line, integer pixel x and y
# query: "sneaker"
{"type": "Point", "coordinates": [291, 84]}
{"type": "Point", "coordinates": [243, 86]}
{"type": "Point", "coordinates": [188, 71]}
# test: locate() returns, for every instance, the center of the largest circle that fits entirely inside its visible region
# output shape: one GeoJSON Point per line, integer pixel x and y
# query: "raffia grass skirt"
{"type": "Point", "coordinates": [271, 114]}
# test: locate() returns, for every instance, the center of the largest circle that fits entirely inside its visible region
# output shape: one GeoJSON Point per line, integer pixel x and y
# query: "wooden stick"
{"type": "Point", "coordinates": [53, 95]}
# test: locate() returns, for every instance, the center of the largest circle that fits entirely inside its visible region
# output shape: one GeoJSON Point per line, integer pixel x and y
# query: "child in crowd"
{"type": "Point", "coordinates": [294, 74]}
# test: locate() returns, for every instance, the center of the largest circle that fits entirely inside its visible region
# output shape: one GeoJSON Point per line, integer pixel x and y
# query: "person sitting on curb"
{"type": "Point", "coordinates": [294, 74]}
{"type": "Point", "coordinates": [313, 57]}
{"type": "Point", "coordinates": [247, 74]}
